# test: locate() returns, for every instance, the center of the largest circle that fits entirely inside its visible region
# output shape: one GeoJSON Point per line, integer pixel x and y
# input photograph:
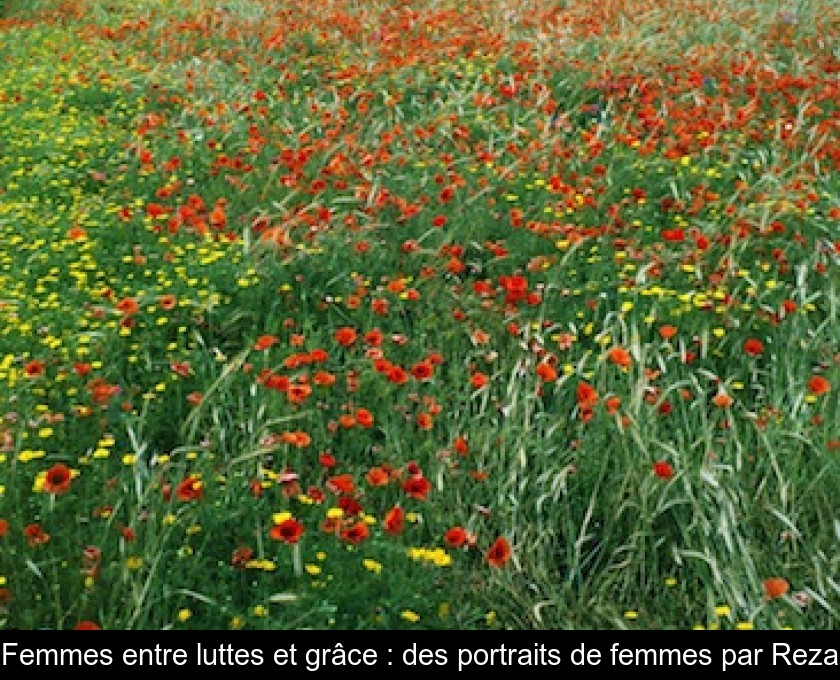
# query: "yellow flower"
{"type": "Point", "coordinates": [410, 616]}
{"type": "Point", "coordinates": [184, 615]}
{"type": "Point", "coordinates": [133, 563]}
{"type": "Point", "coordinates": [372, 565]}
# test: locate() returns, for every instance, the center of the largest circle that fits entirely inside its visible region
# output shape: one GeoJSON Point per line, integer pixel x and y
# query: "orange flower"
{"type": "Point", "coordinates": [425, 421]}
{"type": "Point", "coordinates": [377, 476]}
{"type": "Point", "coordinates": [128, 306]}
{"type": "Point", "coordinates": [182, 368]}
{"type": "Point", "coordinates": [276, 237]}
{"type": "Point", "coordinates": [264, 342]}
{"type": "Point", "coordinates": [76, 233]}
{"type": "Point", "coordinates": [298, 393]}
{"type": "Point", "coordinates": [775, 587]}
{"type": "Point", "coordinates": [478, 380]}
{"type": "Point", "coordinates": [818, 385]}
{"type": "Point", "coordinates": [323, 379]}
{"type": "Point", "coordinates": [167, 302]}
{"type": "Point", "coordinates": [364, 417]}
{"type": "Point", "coordinates": [58, 479]}
{"type": "Point", "coordinates": [546, 372]}
{"type": "Point", "coordinates": [667, 331]}
{"type": "Point", "coordinates": [620, 357]}
{"type": "Point", "coordinates": [499, 553]}
{"type": "Point", "coordinates": [722, 400]}
{"type": "Point", "coordinates": [4, 527]}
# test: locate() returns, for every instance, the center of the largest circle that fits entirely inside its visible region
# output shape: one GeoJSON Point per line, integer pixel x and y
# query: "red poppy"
{"type": "Point", "coordinates": [663, 470]}
{"type": "Point", "coordinates": [499, 553]}
{"type": "Point", "coordinates": [82, 368]}
{"type": "Point", "coordinates": [341, 484]}
{"type": "Point", "coordinates": [374, 338]}
{"type": "Point", "coordinates": [345, 336]}
{"type": "Point", "coordinates": [422, 370]}
{"type": "Point", "coordinates": [4, 527]}
{"type": "Point", "coordinates": [356, 533]}
{"type": "Point", "coordinates": [34, 368]}
{"type": "Point", "coordinates": [190, 489]}
{"type": "Point", "coordinates": [394, 521]}
{"type": "Point", "coordinates": [57, 480]}
{"type": "Point", "coordinates": [35, 535]}
{"type": "Point", "coordinates": [455, 537]}
{"type": "Point", "coordinates": [586, 395]}
{"type": "Point", "coordinates": [288, 531]}
{"type": "Point", "coordinates": [87, 625]}
{"type": "Point", "coordinates": [417, 487]}
{"type": "Point", "coordinates": [318, 355]}
{"type": "Point", "coordinates": [397, 375]}
{"type": "Point", "coordinates": [754, 347]}
{"type": "Point", "coordinates": [818, 385]}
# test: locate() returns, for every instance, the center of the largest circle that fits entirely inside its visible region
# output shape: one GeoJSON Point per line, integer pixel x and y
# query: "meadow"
{"type": "Point", "coordinates": [488, 314]}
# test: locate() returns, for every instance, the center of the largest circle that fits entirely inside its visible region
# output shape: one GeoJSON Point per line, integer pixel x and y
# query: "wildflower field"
{"type": "Point", "coordinates": [475, 314]}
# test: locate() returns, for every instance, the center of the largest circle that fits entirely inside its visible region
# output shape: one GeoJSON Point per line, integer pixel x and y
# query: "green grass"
{"type": "Point", "coordinates": [591, 270]}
